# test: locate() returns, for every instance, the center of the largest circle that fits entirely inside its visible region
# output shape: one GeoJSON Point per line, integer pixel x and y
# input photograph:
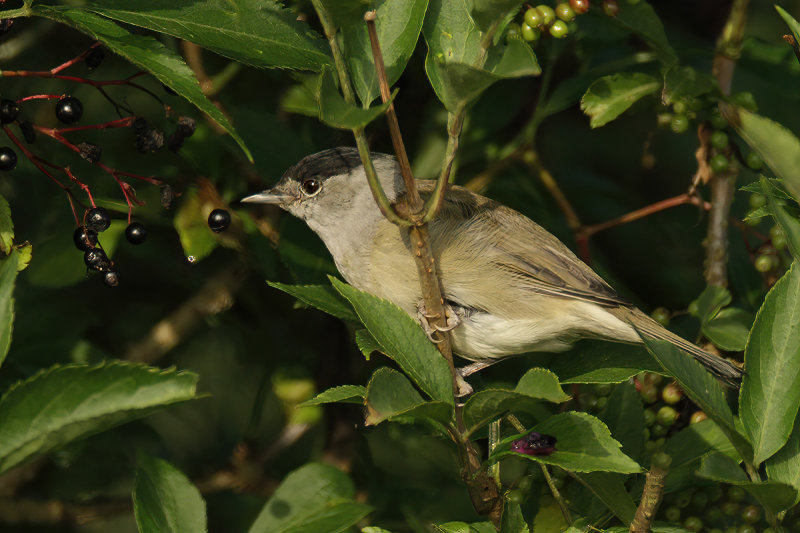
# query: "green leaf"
{"type": "Point", "coordinates": [403, 340]}
{"type": "Point", "coordinates": [398, 24]}
{"type": "Point", "coordinates": [258, 33]}
{"type": "Point", "coordinates": [456, 64]}
{"type": "Point", "coordinates": [624, 416]}
{"type": "Point", "coordinates": [367, 343]}
{"type": "Point", "coordinates": [701, 387]}
{"type": "Point", "coordinates": [391, 395]}
{"type": "Point", "coordinates": [610, 96]}
{"type": "Point", "coordinates": [323, 297]}
{"type": "Point", "coordinates": [776, 145]}
{"type": "Point", "coordinates": [710, 301]}
{"type": "Point", "coordinates": [6, 227]}
{"type": "Point", "coordinates": [512, 520]}
{"type": "Point", "coordinates": [164, 500]}
{"type": "Point", "coordinates": [463, 527]}
{"type": "Point", "coordinates": [789, 224]}
{"type": "Point", "coordinates": [610, 489]}
{"type": "Point", "coordinates": [315, 497]}
{"type": "Point", "coordinates": [594, 361]}
{"type": "Point", "coordinates": [535, 385]}
{"type": "Point", "coordinates": [487, 12]}
{"type": "Point", "coordinates": [340, 394]}
{"type": "Point", "coordinates": [336, 112]}
{"type": "Point", "coordinates": [770, 398]}
{"type": "Point", "coordinates": [640, 19]}
{"type": "Point", "coordinates": [772, 495]}
{"type": "Point", "coordinates": [696, 441]}
{"type": "Point", "coordinates": [685, 82]}
{"type": "Point", "coordinates": [69, 402]}
{"type": "Point", "coordinates": [9, 268]}
{"type": "Point", "coordinates": [144, 52]}
{"type": "Point", "coordinates": [584, 444]}
{"type": "Point", "coordinates": [784, 466]}
{"type": "Point", "coordinates": [790, 21]}
{"type": "Point", "coordinates": [729, 329]}
{"type": "Point", "coordinates": [191, 223]}
{"type": "Point", "coordinates": [343, 12]}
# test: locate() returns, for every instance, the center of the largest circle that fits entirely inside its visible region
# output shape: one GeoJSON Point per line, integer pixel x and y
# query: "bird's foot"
{"type": "Point", "coordinates": [433, 330]}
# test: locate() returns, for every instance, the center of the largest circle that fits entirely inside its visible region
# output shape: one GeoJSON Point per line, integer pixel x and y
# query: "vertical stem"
{"type": "Point", "coordinates": [556, 494]}
{"type": "Point", "coordinates": [723, 184]}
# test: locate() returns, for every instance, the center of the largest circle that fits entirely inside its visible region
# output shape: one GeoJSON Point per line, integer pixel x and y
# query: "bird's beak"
{"type": "Point", "coordinates": [268, 197]}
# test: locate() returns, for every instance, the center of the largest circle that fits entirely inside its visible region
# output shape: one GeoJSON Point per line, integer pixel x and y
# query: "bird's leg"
{"type": "Point", "coordinates": [468, 370]}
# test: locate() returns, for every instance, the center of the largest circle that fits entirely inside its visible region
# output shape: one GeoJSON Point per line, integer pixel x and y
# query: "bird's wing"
{"type": "Point", "coordinates": [535, 259]}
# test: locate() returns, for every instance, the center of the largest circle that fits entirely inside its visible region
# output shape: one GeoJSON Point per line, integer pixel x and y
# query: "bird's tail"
{"type": "Point", "coordinates": [724, 370]}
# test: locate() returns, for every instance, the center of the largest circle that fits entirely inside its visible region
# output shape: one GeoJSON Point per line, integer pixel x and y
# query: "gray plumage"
{"type": "Point", "coordinates": [514, 286]}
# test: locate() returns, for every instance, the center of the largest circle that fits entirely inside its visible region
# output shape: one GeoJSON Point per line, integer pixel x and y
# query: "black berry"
{"type": "Point", "coordinates": [534, 444]}
{"type": "Point", "coordinates": [140, 126]}
{"type": "Point", "coordinates": [96, 259]}
{"type": "Point", "coordinates": [98, 219]}
{"type": "Point", "coordinates": [175, 141]}
{"type": "Point", "coordinates": [90, 152]}
{"type": "Point", "coordinates": [94, 57]}
{"type": "Point", "coordinates": [85, 238]}
{"type": "Point", "coordinates": [8, 158]}
{"type": "Point", "coordinates": [27, 131]}
{"type": "Point", "coordinates": [186, 126]}
{"type": "Point", "coordinates": [111, 278]}
{"type": "Point", "coordinates": [219, 220]}
{"type": "Point", "coordinates": [5, 25]}
{"type": "Point", "coordinates": [69, 110]}
{"type": "Point", "coordinates": [149, 141]}
{"type": "Point", "coordinates": [135, 233]}
{"type": "Point", "coordinates": [9, 111]}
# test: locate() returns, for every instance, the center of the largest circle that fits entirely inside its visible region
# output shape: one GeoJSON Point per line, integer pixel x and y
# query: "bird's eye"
{"type": "Point", "coordinates": [311, 186]}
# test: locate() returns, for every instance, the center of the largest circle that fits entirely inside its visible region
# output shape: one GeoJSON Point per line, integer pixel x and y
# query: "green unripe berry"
{"type": "Point", "coordinates": [603, 389]}
{"type": "Point", "coordinates": [715, 492]}
{"type": "Point", "coordinates": [698, 416]}
{"type": "Point", "coordinates": [713, 515]}
{"type": "Point", "coordinates": [730, 508]}
{"type": "Point", "coordinates": [530, 34]}
{"type": "Point", "coordinates": [672, 513]}
{"type": "Point", "coordinates": [646, 435]}
{"type": "Point", "coordinates": [754, 161]}
{"type": "Point", "coordinates": [736, 494]}
{"type": "Point", "coordinates": [757, 200]}
{"type": "Point", "coordinates": [548, 14]}
{"type": "Point", "coordinates": [715, 530]}
{"type": "Point", "coordinates": [513, 31]}
{"type": "Point", "coordinates": [661, 315]}
{"type": "Point", "coordinates": [746, 528]}
{"type": "Point", "coordinates": [718, 122]}
{"type": "Point", "coordinates": [659, 431]}
{"type": "Point", "coordinates": [679, 123]}
{"type": "Point", "coordinates": [746, 100]}
{"type": "Point", "coordinates": [534, 17]}
{"type": "Point", "coordinates": [666, 416]}
{"type": "Point", "coordinates": [515, 496]}
{"type": "Point", "coordinates": [649, 394]}
{"type": "Point", "coordinates": [589, 402]}
{"type": "Point", "coordinates": [565, 12]}
{"type": "Point", "coordinates": [763, 263]}
{"type": "Point", "coordinates": [778, 238]}
{"type": "Point", "coordinates": [752, 221]}
{"type": "Point", "coordinates": [680, 108]}
{"type": "Point", "coordinates": [660, 460]}
{"type": "Point", "coordinates": [559, 29]}
{"type": "Point", "coordinates": [601, 403]}
{"type": "Point", "coordinates": [672, 393]}
{"type": "Point", "coordinates": [751, 514]}
{"type": "Point", "coordinates": [683, 499]}
{"type": "Point", "coordinates": [732, 529]}
{"type": "Point", "coordinates": [649, 445]}
{"type": "Point", "coordinates": [525, 483]}
{"type": "Point", "coordinates": [719, 140]}
{"type": "Point", "coordinates": [699, 500]}
{"type": "Point", "coordinates": [649, 417]}
{"type": "Point", "coordinates": [693, 308]}
{"type": "Point", "coordinates": [693, 523]}
{"type": "Point", "coordinates": [651, 378]}
{"type": "Point", "coordinates": [719, 163]}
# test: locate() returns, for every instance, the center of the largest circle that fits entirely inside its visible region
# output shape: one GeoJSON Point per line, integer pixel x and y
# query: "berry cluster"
{"type": "Point", "coordinates": [715, 509]}
{"type": "Point", "coordinates": [556, 21]}
{"type": "Point", "coordinates": [69, 110]}
{"type": "Point", "coordinates": [772, 256]}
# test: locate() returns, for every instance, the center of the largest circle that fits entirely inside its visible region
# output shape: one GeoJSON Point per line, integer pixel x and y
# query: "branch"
{"type": "Point", "coordinates": [651, 494]}
{"type": "Point", "coordinates": [723, 184]}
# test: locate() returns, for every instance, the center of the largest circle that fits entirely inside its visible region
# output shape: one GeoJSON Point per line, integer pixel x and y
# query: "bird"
{"type": "Point", "coordinates": [509, 286]}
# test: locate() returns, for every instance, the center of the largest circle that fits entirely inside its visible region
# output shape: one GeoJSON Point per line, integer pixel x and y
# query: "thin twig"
{"type": "Point", "coordinates": [723, 183]}
{"type": "Point", "coordinates": [556, 494]}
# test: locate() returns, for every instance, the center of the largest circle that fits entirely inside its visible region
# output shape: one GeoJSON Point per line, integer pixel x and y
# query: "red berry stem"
{"type": "Point", "coordinates": [123, 122]}
{"type": "Point", "coordinates": [76, 59]}
{"type": "Point", "coordinates": [40, 97]}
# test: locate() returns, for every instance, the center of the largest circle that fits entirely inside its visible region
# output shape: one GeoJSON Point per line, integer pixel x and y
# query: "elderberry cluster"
{"type": "Point", "coordinates": [556, 21]}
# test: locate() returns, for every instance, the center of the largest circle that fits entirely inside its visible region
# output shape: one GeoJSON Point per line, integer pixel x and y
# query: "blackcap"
{"type": "Point", "coordinates": [511, 286]}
